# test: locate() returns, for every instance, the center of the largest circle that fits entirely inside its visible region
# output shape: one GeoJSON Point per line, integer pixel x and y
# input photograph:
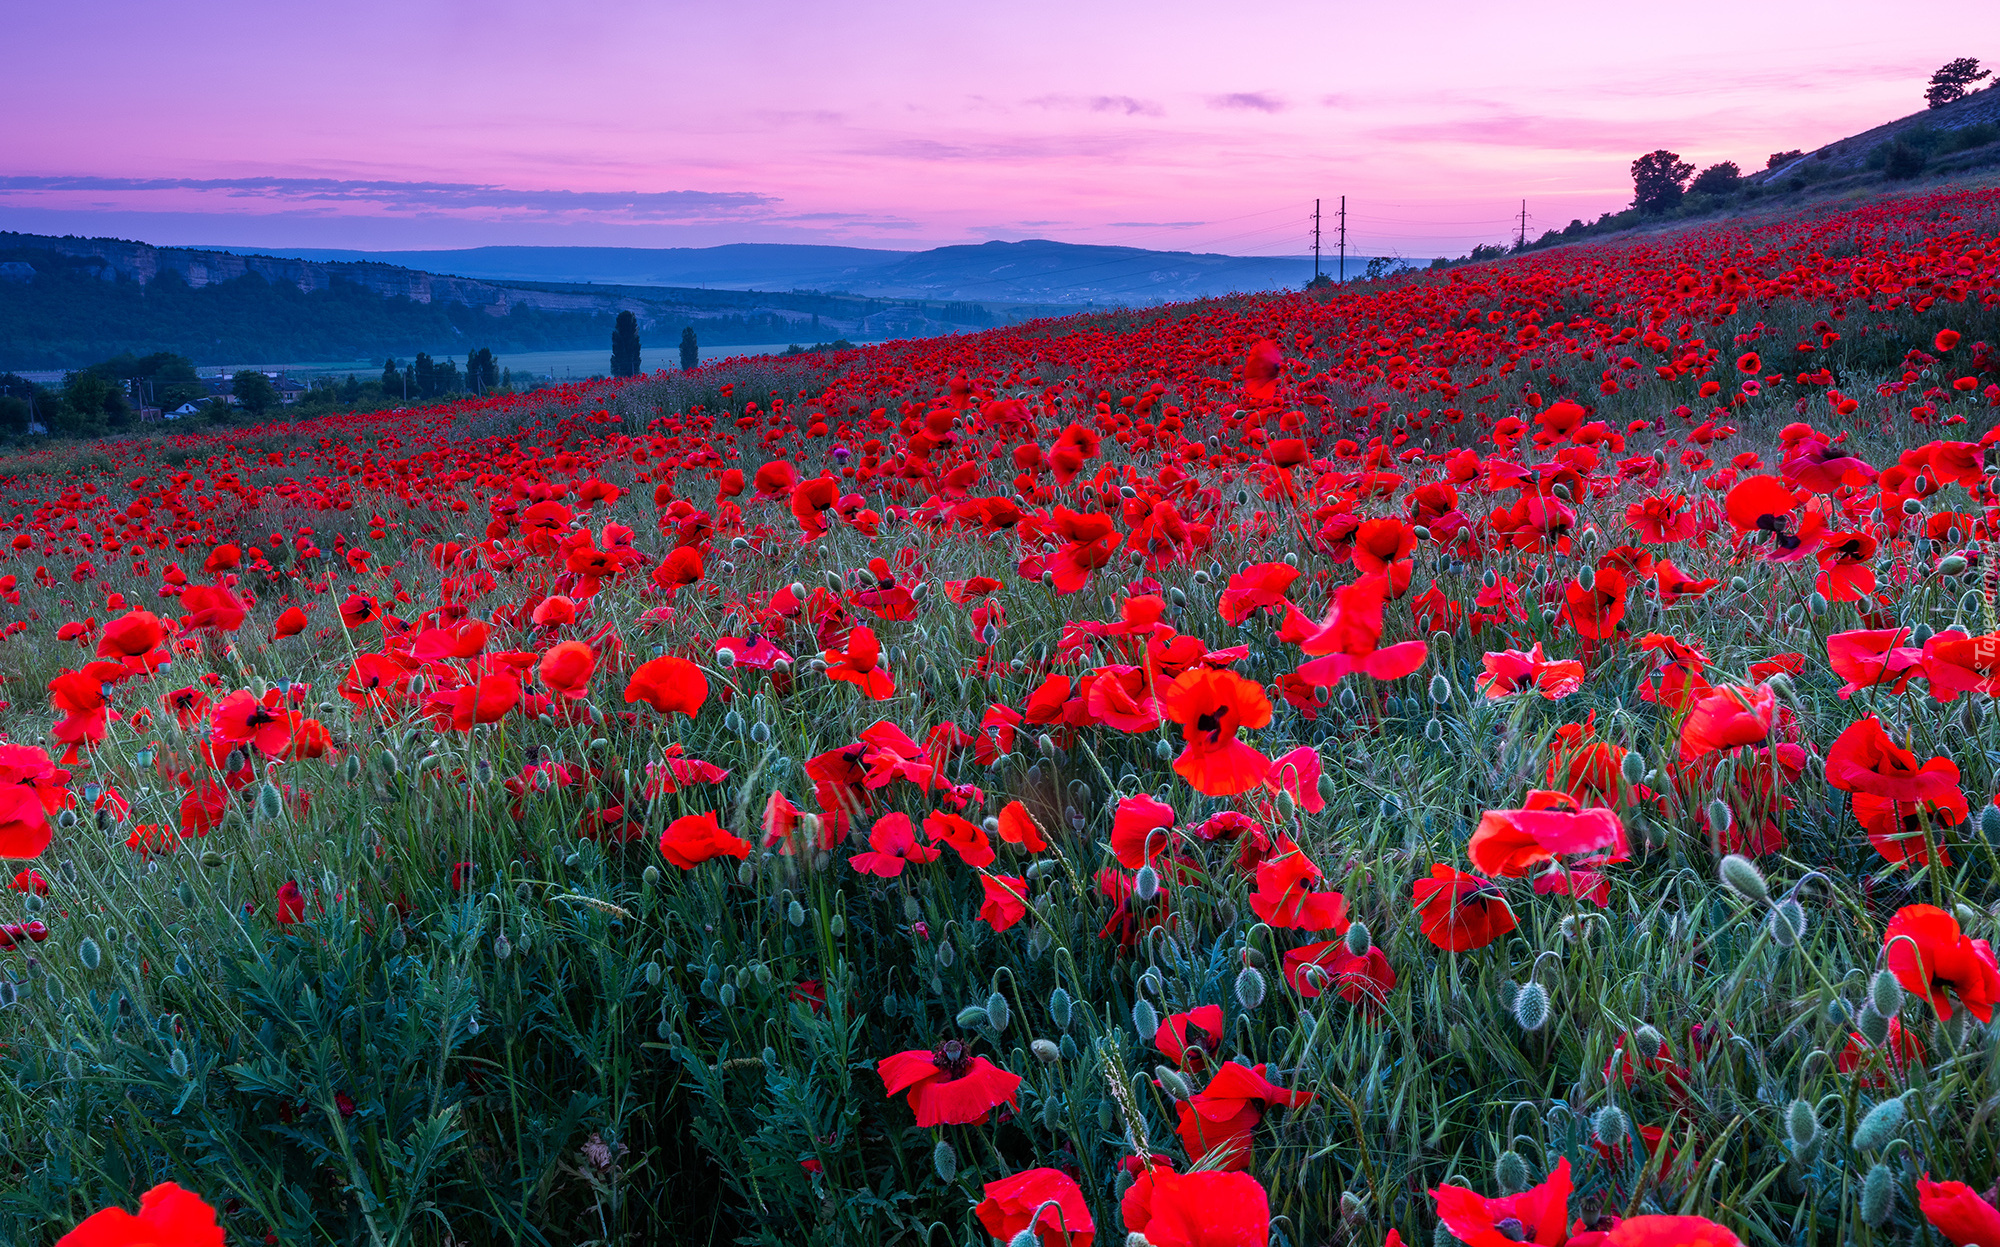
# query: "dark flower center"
{"type": "Point", "coordinates": [953, 1059]}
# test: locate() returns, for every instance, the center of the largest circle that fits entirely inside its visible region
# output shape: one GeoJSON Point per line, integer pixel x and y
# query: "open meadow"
{"type": "Point", "coordinates": [1501, 754]}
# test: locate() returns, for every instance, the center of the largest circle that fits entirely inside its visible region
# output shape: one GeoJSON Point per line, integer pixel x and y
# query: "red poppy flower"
{"type": "Point", "coordinates": [1006, 900]}
{"type": "Point", "coordinates": [669, 685]}
{"type": "Point", "coordinates": [1178, 1032]}
{"type": "Point", "coordinates": [1218, 1119]}
{"type": "Point", "coordinates": [1211, 705]}
{"type": "Point", "coordinates": [892, 844]}
{"type": "Point", "coordinates": [566, 669]}
{"type": "Point", "coordinates": [1729, 716]}
{"type": "Point", "coordinates": [693, 839]}
{"type": "Point", "coordinates": [168, 1214]}
{"type": "Point", "coordinates": [1288, 897]}
{"type": "Point", "coordinates": [1666, 1231]}
{"type": "Point", "coordinates": [964, 838]}
{"type": "Point", "coordinates": [1865, 760]}
{"type": "Point", "coordinates": [1511, 671]}
{"type": "Point", "coordinates": [289, 623]}
{"type": "Point", "coordinates": [1260, 586]}
{"type": "Point", "coordinates": [208, 606]}
{"type": "Point", "coordinates": [1205, 1209]}
{"type": "Point", "coordinates": [1539, 1214]}
{"type": "Point", "coordinates": [1139, 830]}
{"type": "Point", "coordinates": [1313, 968]}
{"type": "Point", "coordinates": [859, 665]}
{"type": "Point", "coordinates": [1958, 1212]}
{"type": "Point", "coordinates": [1930, 956]}
{"type": "Point", "coordinates": [1047, 1201]}
{"type": "Point", "coordinates": [949, 1086]}
{"type": "Point", "coordinates": [1459, 912]}
{"type": "Point", "coordinates": [1865, 658]}
{"type": "Point", "coordinates": [1510, 843]}
{"type": "Point", "coordinates": [1017, 826]}
{"type": "Point", "coordinates": [1347, 639]}
{"type": "Point", "coordinates": [291, 903]}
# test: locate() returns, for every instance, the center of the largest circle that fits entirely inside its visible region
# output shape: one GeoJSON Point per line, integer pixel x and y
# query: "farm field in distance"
{"type": "Point", "coordinates": [1500, 754]}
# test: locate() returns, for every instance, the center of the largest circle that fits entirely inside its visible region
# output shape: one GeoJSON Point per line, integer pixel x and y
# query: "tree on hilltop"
{"type": "Point", "coordinates": [1659, 180]}
{"type": "Point", "coordinates": [1717, 179]}
{"type": "Point", "coordinates": [1952, 81]}
{"type": "Point", "coordinates": [625, 346]}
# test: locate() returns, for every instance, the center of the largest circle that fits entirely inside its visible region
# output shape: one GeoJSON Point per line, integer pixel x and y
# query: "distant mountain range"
{"type": "Point", "coordinates": [68, 302]}
{"type": "Point", "coordinates": [1032, 271]}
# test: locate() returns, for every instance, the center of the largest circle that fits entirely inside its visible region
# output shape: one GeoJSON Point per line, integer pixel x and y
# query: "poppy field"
{"type": "Point", "coordinates": [1502, 754]}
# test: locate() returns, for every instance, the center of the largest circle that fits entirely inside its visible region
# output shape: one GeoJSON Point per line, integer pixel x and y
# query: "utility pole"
{"type": "Point", "coordinates": [1343, 240]}
{"type": "Point", "coordinates": [1315, 241]}
{"type": "Point", "coordinates": [1522, 244]}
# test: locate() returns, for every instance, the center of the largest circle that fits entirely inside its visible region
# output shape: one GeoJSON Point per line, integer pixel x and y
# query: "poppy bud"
{"type": "Point", "coordinates": [1510, 1173]}
{"type": "Point", "coordinates": [746, 872]}
{"type": "Point", "coordinates": [1633, 768]}
{"type": "Point", "coordinates": [650, 876]}
{"type": "Point", "coordinates": [731, 722]}
{"type": "Point", "coordinates": [1059, 1008]}
{"type": "Point", "coordinates": [89, 953]}
{"type": "Point", "coordinates": [1912, 506]}
{"type": "Point", "coordinates": [1145, 1020]}
{"type": "Point", "coordinates": [836, 926]}
{"type": "Point", "coordinates": [1586, 579]}
{"type": "Point", "coordinates": [1921, 634]}
{"type": "Point", "coordinates": [971, 1016]}
{"type": "Point", "coordinates": [1787, 923]}
{"type": "Point", "coordinates": [1046, 1052]}
{"type": "Point", "coordinates": [796, 914]}
{"type": "Point", "coordinates": [1873, 1027]}
{"type": "Point", "coordinates": [1878, 1195]}
{"type": "Point", "coordinates": [1885, 994]}
{"type": "Point", "coordinates": [270, 802]}
{"type": "Point", "coordinates": [944, 1160]}
{"type": "Point", "coordinates": [1531, 1007]}
{"type": "Point", "coordinates": [1440, 689]}
{"type": "Point", "coordinates": [1965, 914]}
{"type": "Point", "coordinates": [1146, 884]}
{"type": "Point", "coordinates": [503, 949]}
{"type": "Point", "coordinates": [1249, 987]}
{"type": "Point", "coordinates": [1951, 565]}
{"type": "Point", "coordinates": [1611, 1126]}
{"type": "Point", "coordinates": [1172, 1083]}
{"type": "Point", "coordinates": [1359, 941]}
{"type": "Point", "coordinates": [1738, 873]}
{"type": "Point", "coordinates": [998, 1014]}
{"type": "Point", "coordinates": [389, 763]}
{"type": "Point", "coordinates": [1802, 1124]}
{"type": "Point", "coordinates": [1879, 1126]}
{"type": "Point", "coordinates": [1164, 750]}
{"type": "Point", "coordinates": [353, 767]}
{"type": "Point", "coordinates": [1048, 578]}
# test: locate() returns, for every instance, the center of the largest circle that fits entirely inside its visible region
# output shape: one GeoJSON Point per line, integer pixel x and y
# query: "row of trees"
{"type": "Point", "coordinates": [625, 347]}
{"type": "Point", "coordinates": [427, 378]}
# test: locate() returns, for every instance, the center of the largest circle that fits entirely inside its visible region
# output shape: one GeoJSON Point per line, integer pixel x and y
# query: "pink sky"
{"type": "Point", "coordinates": [1194, 126]}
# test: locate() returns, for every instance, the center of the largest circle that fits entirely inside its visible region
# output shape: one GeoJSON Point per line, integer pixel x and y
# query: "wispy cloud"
{"type": "Point", "coordinates": [1126, 105]}
{"type": "Point", "coordinates": [1155, 224]}
{"type": "Point", "coordinates": [1251, 101]}
{"type": "Point", "coordinates": [405, 197]}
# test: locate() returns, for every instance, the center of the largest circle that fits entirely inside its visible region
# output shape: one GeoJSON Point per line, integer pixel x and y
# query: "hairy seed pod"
{"type": "Point", "coordinates": [1146, 883]}
{"type": "Point", "coordinates": [1610, 1126]}
{"type": "Point", "coordinates": [1440, 689]}
{"type": "Point", "coordinates": [1510, 1173]}
{"type": "Point", "coordinates": [1787, 923]}
{"type": "Point", "coordinates": [1145, 1020]}
{"type": "Point", "coordinates": [177, 1061]}
{"type": "Point", "coordinates": [1878, 1195]}
{"type": "Point", "coordinates": [1802, 1124]}
{"type": "Point", "coordinates": [89, 954]}
{"type": "Point", "coordinates": [1359, 941]}
{"type": "Point", "coordinates": [1720, 816]}
{"type": "Point", "coordinates": [1250, 987]}
{"type": "Point", "coordinates": [1633, 768]}
{"type": "Point", "coordinates": [1989, 824]}
{"type": "Point", "coordinates": [1172, 1083]}
{"type": "Point", "coordinates": [944, 1160]}
{"type": "Point", "coordinates": [1531, 1007]}
{"type": "Point", "coordinates": [998, 1014]}
{"type": "Point", "coordinates": [1046, 1052]}
{"type": "Point", "coordinates": [1873, 1027]}
{"type": "Point", "coordinates": [971, 1016]}
{"type": "Point", "coordinates": [1880, 1125]}
{"type": "Point", "coordinates": [1739, 874]}
{"type": "Point", "coordinates": [1885, 994]}
{"type": "Point", "coordinates": [1059, 1008]}
{"type": "Point", "coordinates": [270, 802]}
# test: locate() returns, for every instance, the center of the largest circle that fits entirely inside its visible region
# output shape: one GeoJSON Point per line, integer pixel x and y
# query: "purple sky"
{"type": "Point", "coordinates": [1169, 124]}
